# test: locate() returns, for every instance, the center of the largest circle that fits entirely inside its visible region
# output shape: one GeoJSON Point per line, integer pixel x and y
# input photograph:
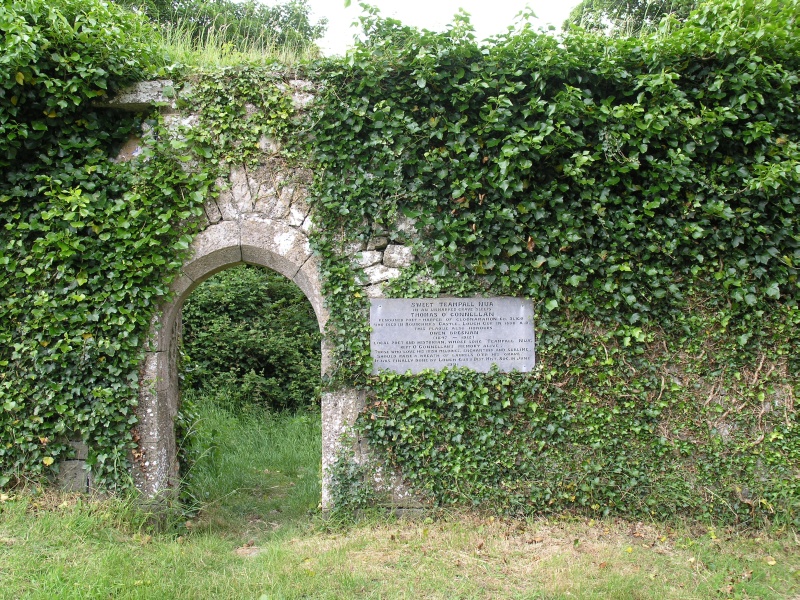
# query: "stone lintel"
{"type": "Point", "coordinates": [139, 97]}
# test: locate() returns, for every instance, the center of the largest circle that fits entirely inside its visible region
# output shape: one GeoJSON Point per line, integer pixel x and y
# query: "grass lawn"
{"type": "Point", "coordinates": [258, 535]}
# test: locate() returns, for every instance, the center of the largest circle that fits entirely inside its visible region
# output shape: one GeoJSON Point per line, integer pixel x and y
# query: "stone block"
{"type": "Point", "coordinates": [339, 411]}
{"type": "Point", "coordinates": [378, 273]}
{"type": "Point", "coordinates": [73, 476]}
{"type": "Point", "coordinates": [212, 211]}
{"type": "Point", "coordinates": [299, 209]}
{"type": "Point", "coordinates": [398, 256]}
{"type": "Point", "coordinates": [378, 243]}
{"type": "Point", "coordinates": [326, 365]}
{"type": "Point", "coordinates": [282, 205]}
{"type": "Point", "coordinates": [240, 199]}
{"type": "Point", "coordinates": [302, 93]}
{"type": "Point", "coordinates": [274, 244]}
{"type": "Point", "coordinates": [374, 291]}
{"type": "Point", "coordinates": [214, 249]}
{"type": "Point", "coordinates": [81, 450]}
{"type": "Point", "coordinates": [155, 467]}
{"type": "Point", "coordinates": [352, 248]}
{"type": "Point", "coordinates": [308, 280]}
{"type": "Point", "coordinates": [403, 227]}
{"type": "Point", "coordinates": [139, 97]}
{"type": "Point", "coordinates": [296, 215]}
{"type": "Point", "coordinates": [367, 258]}
{"type": "Point", "coordinates": [130, 150]}
{"type": "Point", "coordinates": [268, 145]}
{"type": "Point", "coordinates": [308, 224]}
{"type": "Point", "coordinates": [154, 411]}
{"type": "Point", "coordinates": [270, 200]}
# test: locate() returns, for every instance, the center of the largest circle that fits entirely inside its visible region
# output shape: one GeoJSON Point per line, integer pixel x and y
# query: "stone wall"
{"type": "Point", "coordinates": [260, 217]}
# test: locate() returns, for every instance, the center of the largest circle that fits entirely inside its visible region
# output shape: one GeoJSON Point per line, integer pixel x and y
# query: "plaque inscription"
{"type": "Point", "coordinates": [434, 333]}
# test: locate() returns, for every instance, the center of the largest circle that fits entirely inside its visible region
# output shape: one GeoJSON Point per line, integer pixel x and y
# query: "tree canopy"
{"type": "Point", "coordinates": [629, 17]}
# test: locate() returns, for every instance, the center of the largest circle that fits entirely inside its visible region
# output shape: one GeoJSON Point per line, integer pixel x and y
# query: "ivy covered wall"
{"type": "Point", "coordinates": [87, 246]}
{"type": "Point", "coordinates": [643, 192]}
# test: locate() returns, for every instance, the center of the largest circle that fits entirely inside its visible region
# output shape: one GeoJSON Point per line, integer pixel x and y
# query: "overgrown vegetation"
{"type": "Point", "coordinates": [280, 25]}
{"type": "Point", "coordinates": [248, 469]}
{"type": "Point", "coordinates": [87, 246]}
{"type": "Point", "coordinates": [628, 17]}
{"type": "Point", "coordinates": [216, 33]}
{"type": "Point", "coordinates": [252, 333]}
{"type": "Point", "coordinates": [644, 193]}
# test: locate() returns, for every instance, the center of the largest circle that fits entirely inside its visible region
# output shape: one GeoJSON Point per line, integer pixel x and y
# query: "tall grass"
{"type": "Point", "coordinates": [183, 44]}
{"type": "Point", "coordinates": [252, 470]}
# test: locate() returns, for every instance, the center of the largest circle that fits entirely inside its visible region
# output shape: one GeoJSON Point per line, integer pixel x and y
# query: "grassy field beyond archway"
{"type": "Point", "coordinates": [249, 425]}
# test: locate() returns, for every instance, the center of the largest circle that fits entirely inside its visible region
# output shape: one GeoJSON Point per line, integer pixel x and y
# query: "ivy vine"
{"type": "Point", "coordinates": [643, 192]}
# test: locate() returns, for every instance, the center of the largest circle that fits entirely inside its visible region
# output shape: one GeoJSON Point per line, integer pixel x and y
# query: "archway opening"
{"type": "Point", "coordinates": [254, 240]}
{"type": "Point", "coordinates": [248, 425]}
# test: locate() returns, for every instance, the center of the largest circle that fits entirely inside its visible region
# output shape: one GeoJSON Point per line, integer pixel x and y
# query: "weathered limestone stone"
{"type": "Point", "coordinates": [155, 472]}
{"type": "Point", "coordinates": [130, 150]}
{"type": "Point", "coordinates": [176, 121]}
{"type": "Point", "coordinates": [308, 224]}
{"type": "Point", "coordinates": [139, 97]}
{"type": "Point", "coordinates": [352, 248]}
{"type": "Point", "coordinates": [268, 145]}
{"type": "Point", "coordinates": [298, 212]}
{"type": "Point", "coordinates": [302, 94]}
{"type": "Point", "coordinates": [307, 279]}
{"type": "Point", "coordinates": [405, 226]}
{"type": "Point", "coordinates": [213, 213]}
{"type": "Point", "coordinates": [274, 244]}
{"type": "Point", "coordinates": [398, 256]}
{"type": "Point", "coordinates": [367, 258]}
{"type": "Point", "coordinates": [378, 273]}
{"type": "Point", "coordinates": [214, 249]}
{"type": "Point", "coordinates": [73, 476]}
{"type": "Point", "coordinates": [241, 200]}
{"type": "Point", "coordinates": [157, 414]}
{"type": "Point", "coordinates": [374, 291]}
{"type": "Point", "coordinates": [387, 482]}
{"type": "Point", "coordinates": [378, 243]}
{"type": "Point", "coordinates": [81, 450]}
{"type": "Point", "coordinates": [339, 411]}
{"type": "Point", "coordinates": [283, 205]}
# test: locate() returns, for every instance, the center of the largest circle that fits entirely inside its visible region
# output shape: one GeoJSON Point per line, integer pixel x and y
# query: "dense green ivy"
{"type": "Point", "coordinates": [644, 193]}
{"type": "Point", "coordinates": [87, 246]}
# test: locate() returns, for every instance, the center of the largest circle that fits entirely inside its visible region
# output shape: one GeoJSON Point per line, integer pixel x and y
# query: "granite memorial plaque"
{"type": "Point", "coordinates": [433, 333]}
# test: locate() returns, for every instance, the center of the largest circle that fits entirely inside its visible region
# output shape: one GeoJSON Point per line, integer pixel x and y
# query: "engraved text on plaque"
{"type": "Point", "coordinates": [433, 333]}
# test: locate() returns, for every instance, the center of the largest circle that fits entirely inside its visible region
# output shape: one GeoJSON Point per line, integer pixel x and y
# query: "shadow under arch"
{"type": "Point", "coordinates": [254, 240]}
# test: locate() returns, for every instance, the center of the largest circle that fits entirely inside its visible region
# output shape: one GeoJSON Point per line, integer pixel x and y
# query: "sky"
{"type": "Point", "coordinates": [487, 16]}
